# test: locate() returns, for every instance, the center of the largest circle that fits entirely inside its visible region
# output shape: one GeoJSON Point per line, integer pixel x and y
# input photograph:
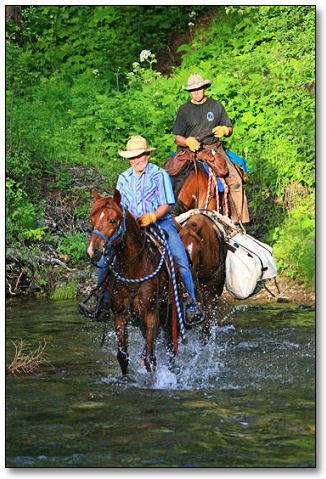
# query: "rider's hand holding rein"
{"type": "Point", "coordinates": [192, 143]}
{"type": "Point", "coordinates": [148, 218]}
{"type": "Point", "coordinates": [221, 131]}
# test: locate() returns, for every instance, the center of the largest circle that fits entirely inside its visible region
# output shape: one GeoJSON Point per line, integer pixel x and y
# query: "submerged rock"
{"type": "Point", "coordinates": [304, 306]}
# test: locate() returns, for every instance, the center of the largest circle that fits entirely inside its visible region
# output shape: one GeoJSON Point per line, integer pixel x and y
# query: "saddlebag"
{"type": "Point", "coordinates": [175, 164]}
{"type": "Point", "coordinates": [248, 263]}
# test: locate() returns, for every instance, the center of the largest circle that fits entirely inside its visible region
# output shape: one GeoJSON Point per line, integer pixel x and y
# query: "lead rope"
{"type": "Point", "coordinates": [212, 178]}
{"type": "Point", "coordinates": [162, 239]}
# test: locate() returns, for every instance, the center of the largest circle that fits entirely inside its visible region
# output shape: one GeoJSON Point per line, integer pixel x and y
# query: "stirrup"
{"type": "Point", "coordinates": [195, 317]}
{"type": "Point", "coordinates": [87, 310]}
{"type": "Point", "coordinates": [102, 308]}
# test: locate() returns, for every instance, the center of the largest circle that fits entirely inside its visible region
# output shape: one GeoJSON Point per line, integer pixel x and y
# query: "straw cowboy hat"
{"type": "Point", "coordinates": [135, 146]}
{"type": "Point", "coordinates": [196, 81]}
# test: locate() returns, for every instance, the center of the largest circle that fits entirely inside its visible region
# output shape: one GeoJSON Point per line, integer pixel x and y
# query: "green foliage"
{"type": "Point", "coordinates": [82, 80]}
{"type": "Point", "coordinates": [295, 243]}
{"type": "Point", "coordinates": [73, 247]}
{"type": "Point", "coordinates": [21, 215]}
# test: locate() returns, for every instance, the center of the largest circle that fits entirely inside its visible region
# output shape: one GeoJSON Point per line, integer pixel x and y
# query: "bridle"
{"type": "Point", "coordinates": [119, 230]}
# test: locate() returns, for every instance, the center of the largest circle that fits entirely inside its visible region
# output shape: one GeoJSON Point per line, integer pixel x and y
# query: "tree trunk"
{"type": "Point", "coordinates": [14, 13]}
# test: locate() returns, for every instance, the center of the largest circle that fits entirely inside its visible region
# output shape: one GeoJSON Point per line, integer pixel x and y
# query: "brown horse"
{"type": "Point", "coordinates": [206, 251]}
{"type": "Point", "coordinates": [193, 193]}
{"type": "Point", "coordinates": [142, 302]}
{"type": "Point", "coordinates": [195, 189]}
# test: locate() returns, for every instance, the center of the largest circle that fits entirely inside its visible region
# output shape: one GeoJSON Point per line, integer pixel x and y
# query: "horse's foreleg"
{"type": "Point", "coordinates": [120, 325]}
{"type": "Point", "coordinates": [151, 321]}
{"type": "Point", "coordinates": [205, 330]}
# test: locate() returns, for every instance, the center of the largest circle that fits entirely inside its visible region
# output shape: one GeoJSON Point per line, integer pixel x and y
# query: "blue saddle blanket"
{"type": "Point", "coordinates": [219, 182]}
{"type": "Point", "coordinates": [237, 159]}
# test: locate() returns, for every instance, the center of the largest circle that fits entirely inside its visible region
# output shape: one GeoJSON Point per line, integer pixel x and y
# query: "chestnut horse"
{"type": "Point", "coordinates": [207, 252]}
{"type": "Point", "coordinates": [196, 188]}
{"type": "Point", "coordinates": [143, 302]}
{"type": "Point", "coordinates": [193, 193]}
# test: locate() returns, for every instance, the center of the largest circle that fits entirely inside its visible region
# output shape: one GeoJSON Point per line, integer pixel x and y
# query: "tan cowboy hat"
{"type": "Point", "coordinates": [135, 146]}
{"type": "Point", "coordinates": [196, 81]}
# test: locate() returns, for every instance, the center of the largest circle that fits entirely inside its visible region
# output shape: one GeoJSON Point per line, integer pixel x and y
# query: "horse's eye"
{"type": "Point", "coordinates": [112, 221]}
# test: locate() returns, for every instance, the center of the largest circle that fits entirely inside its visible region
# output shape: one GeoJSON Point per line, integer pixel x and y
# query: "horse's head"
{"type": "Point", "coordinates": [108, 220]}
{"type": "Point", "coordinates": [200, 241]}
{"type": "Point", "coordinates": [192, 241]}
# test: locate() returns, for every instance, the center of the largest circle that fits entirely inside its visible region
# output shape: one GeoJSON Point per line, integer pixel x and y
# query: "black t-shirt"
{"type": "Point", "coordinates": [196, 120]}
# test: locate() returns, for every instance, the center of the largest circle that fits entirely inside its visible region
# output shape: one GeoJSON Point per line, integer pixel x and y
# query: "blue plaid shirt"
{"type": "Point", "coordinates": [145, 194]}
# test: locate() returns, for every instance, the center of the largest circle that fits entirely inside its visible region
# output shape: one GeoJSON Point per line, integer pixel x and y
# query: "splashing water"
{"type": "Point", "coordinates": [246, 398]}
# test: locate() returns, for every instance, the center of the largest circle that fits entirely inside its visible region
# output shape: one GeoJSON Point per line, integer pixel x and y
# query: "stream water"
{"type": "Point", "coordinates": [247, 399]}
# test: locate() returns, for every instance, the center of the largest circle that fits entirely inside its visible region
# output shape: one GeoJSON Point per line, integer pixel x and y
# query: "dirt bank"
{"type": "Point", "coordinates": [290, 291]}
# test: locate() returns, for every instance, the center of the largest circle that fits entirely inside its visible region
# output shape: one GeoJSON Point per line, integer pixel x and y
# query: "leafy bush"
{"type": "Point", "coordinates": [73, 247]}
{"type": "Point", "coordinates": [21, 215]}
{"type": "Point", "coordinates": [295, 245]}
{"type": "Point", "coordinates": [77, 89]}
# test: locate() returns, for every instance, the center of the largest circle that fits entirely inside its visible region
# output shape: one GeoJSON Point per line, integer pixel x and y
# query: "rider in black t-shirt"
{"type": "Point", "coordinates": [200, 116]}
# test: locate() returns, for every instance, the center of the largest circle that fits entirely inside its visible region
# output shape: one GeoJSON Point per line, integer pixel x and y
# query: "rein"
{"type": "Point", "coordinates": [166, 249]}
{"type": "Point", "coordinates": [212, 178]}
{"type": "Point", "coordinates": [162, 239]}
{"type": "Point", "coordinates": [139, 280]}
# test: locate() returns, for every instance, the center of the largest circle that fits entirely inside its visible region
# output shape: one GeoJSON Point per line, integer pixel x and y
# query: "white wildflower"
{"type": "Point", "coordinates": [157, 93]}
{"type": "Point", "coordinates": [135, 65]}
{"type": "Point", "coordinates": [144, 54]}
{"type": "Point", "coordinates": [192, 14]}
{"type": "Point", "coordinates": [190, 24]}
{"type": "Point", "coordinates": [95, 71]}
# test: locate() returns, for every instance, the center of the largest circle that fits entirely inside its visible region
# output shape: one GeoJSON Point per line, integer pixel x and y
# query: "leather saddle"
{"type": "Point", "coordinates": [174, 165]}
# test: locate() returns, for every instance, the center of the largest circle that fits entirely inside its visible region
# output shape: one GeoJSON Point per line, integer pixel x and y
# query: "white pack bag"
{"type": "Point", "coordinates": [248, 262]}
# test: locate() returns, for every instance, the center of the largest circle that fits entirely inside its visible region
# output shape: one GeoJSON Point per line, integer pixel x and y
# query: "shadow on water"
{"type": "Point", "coordinates": [246, 399]}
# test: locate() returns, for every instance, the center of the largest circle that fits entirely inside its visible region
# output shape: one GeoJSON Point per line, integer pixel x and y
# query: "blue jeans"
{"type": "Point", "coordinates": [178, 252]}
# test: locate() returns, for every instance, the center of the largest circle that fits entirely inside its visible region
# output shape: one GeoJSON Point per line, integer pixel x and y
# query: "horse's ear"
{"type": "Point", "coordinates": [177, 225]}
{"type": "Point", "coordinates": [97, 195]}
{"type": "Point", "coordinates": [116, 196]}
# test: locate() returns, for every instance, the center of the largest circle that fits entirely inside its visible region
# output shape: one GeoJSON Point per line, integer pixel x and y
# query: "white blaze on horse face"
{"type": "Point", "coordinates": [189, 249]}
{"type": "Point", "coordinates": [90, 250]}
{"type": "Point", "coordinates": [102, 214]}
